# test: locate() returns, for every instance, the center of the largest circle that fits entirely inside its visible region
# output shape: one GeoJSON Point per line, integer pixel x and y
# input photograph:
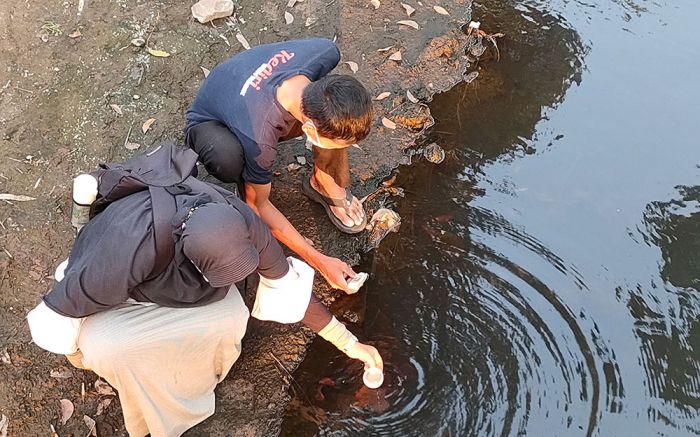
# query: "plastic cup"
{"type": "Point", "coordinates": [373, 378]}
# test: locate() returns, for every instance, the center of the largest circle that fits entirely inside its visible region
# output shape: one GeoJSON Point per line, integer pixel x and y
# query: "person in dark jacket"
{"type": "Point", "coordinates": [164, 341]}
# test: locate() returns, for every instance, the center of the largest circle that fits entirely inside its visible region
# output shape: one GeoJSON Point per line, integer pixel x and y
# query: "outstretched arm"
{"type": "Point", "coordinates": [334, 270]}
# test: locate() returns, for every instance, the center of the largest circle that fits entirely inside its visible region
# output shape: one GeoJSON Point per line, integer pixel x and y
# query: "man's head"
{"type": "Point", "coordinates": [216, 240]}
{"type": "Point", "coordinates": [339, 111]}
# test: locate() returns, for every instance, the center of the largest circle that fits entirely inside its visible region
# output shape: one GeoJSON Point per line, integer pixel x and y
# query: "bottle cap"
{"type": "Point", "coordinates": [373, 378]}
{"type": "Point", "coordinates": [84, 189]}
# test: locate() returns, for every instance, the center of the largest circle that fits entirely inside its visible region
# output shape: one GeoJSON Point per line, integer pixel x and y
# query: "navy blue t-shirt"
{"type": "Point", "coordinates": [241, 93]}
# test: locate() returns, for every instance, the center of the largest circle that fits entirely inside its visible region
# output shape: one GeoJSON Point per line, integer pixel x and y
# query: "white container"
{"type": "Point", "coordinates": [373, 378]}
{"type": "Point", "coordinates": [84, 193]}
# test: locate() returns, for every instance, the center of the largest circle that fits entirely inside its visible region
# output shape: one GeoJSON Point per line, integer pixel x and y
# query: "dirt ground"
{"type": "Point", "coordinates": [63, 71]}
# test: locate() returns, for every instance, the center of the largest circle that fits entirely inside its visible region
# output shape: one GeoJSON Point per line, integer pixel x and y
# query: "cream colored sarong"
{"type": "Point", "coordinates": [164, 362]}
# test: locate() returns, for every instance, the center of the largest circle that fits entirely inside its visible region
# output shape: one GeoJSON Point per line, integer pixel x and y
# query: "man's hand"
{"type": "Point", "coordinates": [367, 354]}
{"type": "Point", "coordinates": [335, 271]}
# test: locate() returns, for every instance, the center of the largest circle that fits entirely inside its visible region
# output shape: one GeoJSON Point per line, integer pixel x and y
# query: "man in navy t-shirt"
{"type": "Point", "coordinates": [276, 92]}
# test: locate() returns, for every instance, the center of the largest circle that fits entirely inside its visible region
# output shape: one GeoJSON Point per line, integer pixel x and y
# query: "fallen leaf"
{"type": "Point", "coordinates": [75, 34]}
{"type": "Point", "coordinates": [310, 21]}
{"type": "Point", "coordinates": [67, 409]}
{"type": "Point", "coordinates": [3, 426]}
{"type": "Point", "coordinates": [409, 9]}
{"type": "Point", "coordinates": [157, 53]}
{"type": "Point", "coordinates": [103, 388]}
{"type": "Point", "coordinates": [147, 124]}
{"type": "Point", "coordinates": [301, 160]}
{"type": "Point", "coordinates": [116, 108]}
{"type": "Point", "coordinates": [244, 42]}
{"type": "Point", "coordinates": [90, 423]}
{"type": "Point", "coordinates": [411, 97]}
{"type": "Point", "coordinates": [205, 71]}
{"type": "Point", "coordinates": [353, 66]}
{"type": "Point", "coordinates": [385, 49]}
{"type": "Point", "coordinates": [375, 3]}
{"type": "Point", "coordinates": [131, 146]}
{"type": "Point", "coordinates": [288, 18]}
{"type": "Point", "coordinates": [16, 197]}
{"type": "Point", "coordinates": [396, 56]}
{"type": "Point", "coordinates": [102, 406]}
{"type": "Point", "coordinates": [383, 95]}
{"type": "Point", "coordinates": [409, 23]}
{"type": "Point", "coordinates": [291, 3]}
{"type": "Point", "coordinates": [440, 10]}
{"type": "Point", "coordinates": [388, 123]}
{"type": "Point", "coordinates": [61, 374]}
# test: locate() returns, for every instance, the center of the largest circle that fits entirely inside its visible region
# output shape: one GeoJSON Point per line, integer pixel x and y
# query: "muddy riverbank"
{"type": "Point", "coordinates": [74, 91]}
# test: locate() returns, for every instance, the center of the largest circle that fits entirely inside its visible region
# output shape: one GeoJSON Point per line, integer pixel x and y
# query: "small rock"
{"type": "Point", "coordinates": [383, 221]}
{"type": "Point", "coordinates": [136, 97]}
{"type": "Point", "coordinates": [301, 160]}
{"type": "Point", "coordinates": [207, 10]}
{"type": "Point", "coordinates": [293, 167]}
{"type": "Point", "coordinates": [138, 42]}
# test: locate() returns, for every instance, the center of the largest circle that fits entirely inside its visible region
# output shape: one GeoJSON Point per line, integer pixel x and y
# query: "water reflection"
{"type": "Point", "coordinates": [538, 285]}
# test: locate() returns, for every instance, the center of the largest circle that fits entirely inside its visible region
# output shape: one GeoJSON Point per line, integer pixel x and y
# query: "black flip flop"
{"type": "Point", "coordinates": [327, 202]}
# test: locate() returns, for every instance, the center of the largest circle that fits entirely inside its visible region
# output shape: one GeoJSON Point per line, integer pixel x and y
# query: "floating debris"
{"type": "Point", "coordinates": [434, 153]}
{"type": "Point", "coordinates": [383, 221]}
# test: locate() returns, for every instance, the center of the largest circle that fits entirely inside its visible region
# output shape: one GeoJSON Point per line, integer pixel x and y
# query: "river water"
{"type": "Point", "coordinates": [546, 277]}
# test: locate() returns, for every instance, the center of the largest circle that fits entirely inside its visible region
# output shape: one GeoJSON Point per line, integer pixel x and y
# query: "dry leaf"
{"type": "Point", "coordinates": [16, 197]}
{"type": "Point", "coordinates": [102, 406]}
{"type": "Point", "coordinates": [4, 421]}
{"type": "Point", "coordinates": [291, 3]}
{"type": "Point", "coordinates": [244, 42]}
{"type": "Point", "coordinates": [75, 34]}
{"type": "Point", "coordinates": [388, 123]}
{"type": "Point", "coordinates": [147, 124]}
{"type": "Point", "coordinates": [409, 23]}
{"type": "Point", "coordinates": [103, 388]}
{"type": "Point", "coordinates": [116, 108]}
{"type": "Point", "coordinates": [205, 71]}
{"type": "Point", "coordinates": [375, 3]}
{"type": "Point", "coordinates": [411, 97]}
{"type": "Point", "coordinates": [440, 10]}
{"type": "Point", "coordinates": [131, 146]}
{"type": "Point", "coordinates": [90, 423]}
{"type": "Point", "coordinates": [288, 18]}
{"type": "Point", "coordinates": [396, 56]}
{"type": "Point", "coordinates": [409, 9]}
{"type": "Point", "coordinates": [385, 49]}
{"type": "Point", "coordinates": [157, 53]}
{"type": "Point", "coordinates": [383, 95]}
{"type": "Point", "coordinates": [310, 21]}
{"type": "Point", "coordinates": [67, 409]}
{"type": "Point", "coordinates": [61, 374]}
{"type": "Point", "coordinates": [353, 66]}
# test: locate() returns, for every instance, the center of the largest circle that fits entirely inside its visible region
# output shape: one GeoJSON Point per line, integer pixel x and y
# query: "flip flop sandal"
{"type": "Point", "coordinates": [327, 202]}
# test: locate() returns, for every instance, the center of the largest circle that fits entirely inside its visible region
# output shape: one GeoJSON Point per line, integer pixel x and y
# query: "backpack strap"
{"type": "Point", "coordinates": [164, 209]}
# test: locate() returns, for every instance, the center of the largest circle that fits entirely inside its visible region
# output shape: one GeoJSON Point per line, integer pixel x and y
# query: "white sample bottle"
{"type": "Point", "coordinates": [373, 378]}
{"type": "Point", "coordinates": [84, 193]}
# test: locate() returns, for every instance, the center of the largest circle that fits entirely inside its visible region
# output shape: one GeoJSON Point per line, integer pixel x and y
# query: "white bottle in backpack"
{"type": "Point", "coordinates": [84, 193]}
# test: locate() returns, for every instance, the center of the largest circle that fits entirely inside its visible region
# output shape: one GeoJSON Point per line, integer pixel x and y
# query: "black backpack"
{"type": "Point", "coordinates": [160, 170]}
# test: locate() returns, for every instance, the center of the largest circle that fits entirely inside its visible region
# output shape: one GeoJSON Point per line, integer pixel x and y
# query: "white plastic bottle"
{"type": "Point", "coordinates": [84, 193]}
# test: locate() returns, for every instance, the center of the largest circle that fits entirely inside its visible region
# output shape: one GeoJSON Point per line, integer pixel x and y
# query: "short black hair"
{"type": "Point", "coordinates": [340, 107]}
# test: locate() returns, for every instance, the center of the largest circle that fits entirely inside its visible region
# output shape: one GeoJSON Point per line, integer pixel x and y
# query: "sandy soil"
{"type": "Point", "coordinates": [62, 71]}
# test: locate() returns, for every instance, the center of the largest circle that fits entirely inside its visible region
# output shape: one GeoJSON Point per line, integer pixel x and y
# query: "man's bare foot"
{"type": "Point", "coordinates": [324, 184]}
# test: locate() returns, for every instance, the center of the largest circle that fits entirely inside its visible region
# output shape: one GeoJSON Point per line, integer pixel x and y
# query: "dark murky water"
{"type": "Point", "coordinates": [546, 277]}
